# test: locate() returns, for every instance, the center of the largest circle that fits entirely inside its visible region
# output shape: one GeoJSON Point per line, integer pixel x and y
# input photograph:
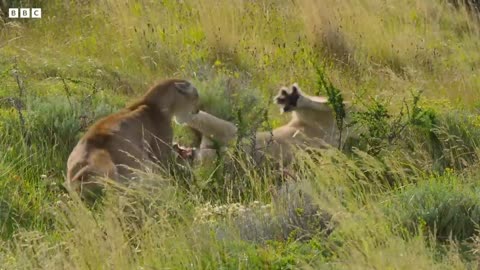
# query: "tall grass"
{"type": "Point", "coordinates": [411, 203]}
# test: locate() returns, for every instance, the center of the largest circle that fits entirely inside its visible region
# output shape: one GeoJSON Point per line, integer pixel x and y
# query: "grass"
{"type": "Point", "coordinates": [405, 196]}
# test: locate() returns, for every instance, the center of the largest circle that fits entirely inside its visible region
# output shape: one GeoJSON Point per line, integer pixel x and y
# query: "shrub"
{"type": "Point", "coordinates": [442, 206]}
{"type": "Point", "coordinates": [291, 216]}
{"type": "Point", "coordinates": [51, 128]}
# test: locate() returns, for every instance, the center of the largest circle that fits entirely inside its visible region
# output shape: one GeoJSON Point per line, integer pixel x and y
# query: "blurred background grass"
{"type": "Point", "coordinates": [411, 203]}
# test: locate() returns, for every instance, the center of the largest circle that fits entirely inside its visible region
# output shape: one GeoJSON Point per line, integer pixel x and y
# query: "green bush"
{"type": "Point", "coordinates": [238, 53]}
{"type": "Point", "coordinates": [33, 157]}
{"type": "Point", "coordinates": [443, 206]}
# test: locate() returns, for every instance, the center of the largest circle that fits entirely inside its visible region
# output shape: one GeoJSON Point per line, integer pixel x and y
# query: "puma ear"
{"type": "Point", "coordinates": [295, 88]}
{"type": "Point", "coordinates": [281, 97]}
{"type": "Point", "coordinates": [183, 87]}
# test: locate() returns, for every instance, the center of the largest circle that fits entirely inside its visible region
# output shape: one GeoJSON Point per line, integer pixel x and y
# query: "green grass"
{"type": "Point", "coordinates": [404, 197]}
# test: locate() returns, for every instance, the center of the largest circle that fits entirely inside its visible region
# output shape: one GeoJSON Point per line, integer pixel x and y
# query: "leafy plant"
{"type": "Point", "coordinates": [383, 129]}
{"type": "Point", "coordinates": [335, 100]}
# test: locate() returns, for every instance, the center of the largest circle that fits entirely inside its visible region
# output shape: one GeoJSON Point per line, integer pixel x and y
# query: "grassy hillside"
{"type": "Point", "coordinates": [405, 196]}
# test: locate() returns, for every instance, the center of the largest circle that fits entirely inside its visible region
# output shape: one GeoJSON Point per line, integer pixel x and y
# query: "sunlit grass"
{"type": "Point", "coordinates": [412, 204]}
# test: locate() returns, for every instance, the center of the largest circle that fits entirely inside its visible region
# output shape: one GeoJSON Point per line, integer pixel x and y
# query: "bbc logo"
{"type": "Point", "coordinates": [35, 13]}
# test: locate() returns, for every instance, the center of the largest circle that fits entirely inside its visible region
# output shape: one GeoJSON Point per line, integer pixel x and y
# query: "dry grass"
{"type": "Point", "coordinates": [84, 59]}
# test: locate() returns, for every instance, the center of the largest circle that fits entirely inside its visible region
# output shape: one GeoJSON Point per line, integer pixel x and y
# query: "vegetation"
{"type": "Point", "coordinates": [404, 195]}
